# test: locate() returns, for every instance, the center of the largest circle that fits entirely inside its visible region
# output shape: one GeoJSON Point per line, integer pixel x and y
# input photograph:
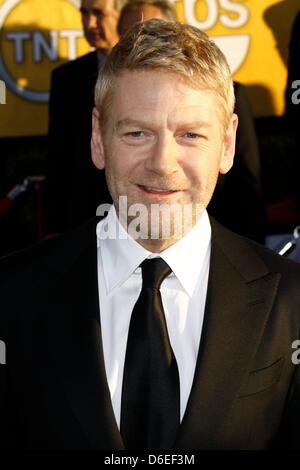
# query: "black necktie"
{"type": "Point", "coordinates": [150, 410]}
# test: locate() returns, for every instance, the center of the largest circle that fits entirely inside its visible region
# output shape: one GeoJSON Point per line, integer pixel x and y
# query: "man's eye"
{"type": "Point", "coordinates": [192, 135]}
{"type": "Point", "coordinates": [135, 134]}
{"type": "Point", "coordinates": [87, 12]}
{"type": "Point", "coordinates": [97, 13]}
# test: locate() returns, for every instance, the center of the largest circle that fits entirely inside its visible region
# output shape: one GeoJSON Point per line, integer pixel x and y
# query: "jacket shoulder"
{"type": "Point", "coordinates": [55, 254]}
{"type": "Point", "coordinates": [250, 256]}
{"type": "Point", "coordinates": [83, 64]}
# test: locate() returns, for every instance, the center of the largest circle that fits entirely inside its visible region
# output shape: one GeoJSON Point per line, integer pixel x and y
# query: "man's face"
{"type": "Point", "coordinates": [138, 13]}
{"type": "Point", "coordinates": [163, 142]}
{"type": "Point", "coordinates": [99, 20]}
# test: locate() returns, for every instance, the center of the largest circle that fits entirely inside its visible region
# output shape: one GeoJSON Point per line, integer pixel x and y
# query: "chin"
{"type": "Point", "coordinates": [101, 45]}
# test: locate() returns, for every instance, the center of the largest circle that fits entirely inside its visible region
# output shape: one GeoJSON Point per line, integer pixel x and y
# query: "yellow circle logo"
{"type": "Point", "coordinates": [223, 20]}
{"type": "Point", "coordinates": [36, 36]}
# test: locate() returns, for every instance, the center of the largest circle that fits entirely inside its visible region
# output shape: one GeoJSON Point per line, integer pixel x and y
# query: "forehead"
{"type": "Point", "coordinates": [147, 11]}
{"type": "Point", "coordinates": [137, 13]}
{"type": "Point", "coordinates": [161, 95]}
{"type": "Point", "coordinates": [99, 4]}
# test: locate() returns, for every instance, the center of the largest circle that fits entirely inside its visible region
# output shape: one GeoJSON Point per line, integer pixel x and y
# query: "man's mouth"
{"type": "Point", "coordinates": [95, 35]}
{"type": "Point", "coordinates": [158, 191]}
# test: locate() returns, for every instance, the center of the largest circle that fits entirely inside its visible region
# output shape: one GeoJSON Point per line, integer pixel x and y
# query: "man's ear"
{"type": "Point", "coordinates": [226, 161]}
{"type": "Point", "coordinates": [97, 148]}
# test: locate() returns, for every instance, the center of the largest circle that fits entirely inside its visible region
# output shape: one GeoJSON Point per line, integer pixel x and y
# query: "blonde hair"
{"type": "Point", "coordinates": [172, 47]}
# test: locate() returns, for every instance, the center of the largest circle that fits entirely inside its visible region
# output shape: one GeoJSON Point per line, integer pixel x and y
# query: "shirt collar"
{"type": "Point", "coordinates": [186, 257]}
{"type": "Point", "coordinates": [101, 55]}
{"type": "Point", "coordinates": [122, 255]}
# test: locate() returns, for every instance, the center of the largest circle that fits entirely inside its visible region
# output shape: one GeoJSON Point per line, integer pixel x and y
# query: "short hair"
{"type": "Point", "coordinates": [118, 4]}
{"type": "Point", "coordinates": [167, 9]}
{"type": "Point", "coordinates": [172, 47]}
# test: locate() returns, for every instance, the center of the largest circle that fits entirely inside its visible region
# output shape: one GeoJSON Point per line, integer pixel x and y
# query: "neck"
{"type": "Point", "coordinates": [156, 246]}
{"type": "Point", "coordinates": [159, 231]}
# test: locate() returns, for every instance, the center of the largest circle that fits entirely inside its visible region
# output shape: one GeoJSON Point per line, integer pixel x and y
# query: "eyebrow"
{"type": "Point", "coordinates": [141, 123]}
{"type": "Point", "coordinates": [94, 11]}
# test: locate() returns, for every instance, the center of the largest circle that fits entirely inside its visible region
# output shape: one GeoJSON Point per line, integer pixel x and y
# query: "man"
{"type": "Point", "coordinates": [99, 20]}
{"type": "Point", "coordinates": [238, 200]}
{"type": "Point", "coordinates": [108, 349]}
{"type": "Point", "coordinates": [74, 193]}
{"type": "Point", "coordinates": [244, 214]}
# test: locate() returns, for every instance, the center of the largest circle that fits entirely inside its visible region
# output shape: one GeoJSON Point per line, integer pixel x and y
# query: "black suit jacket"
{"type": "Point", "coordinates": [238, 201]}
{"type": "Point", "coordinates": [75, 187]}
{"type": "Point", "coordinates": [53, 388]}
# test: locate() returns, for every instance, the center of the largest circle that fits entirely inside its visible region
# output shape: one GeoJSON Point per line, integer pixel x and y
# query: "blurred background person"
{"type": "Point", "coordinates": [238, 201]}
{"type": "Point", "coordinates": [74, 186]}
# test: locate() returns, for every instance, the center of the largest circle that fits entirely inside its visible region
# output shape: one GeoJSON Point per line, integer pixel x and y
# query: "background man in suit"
{"type": "Point", "coordinates": [105, 353]}
{"type": "Point", "coordinates": [74, 187]}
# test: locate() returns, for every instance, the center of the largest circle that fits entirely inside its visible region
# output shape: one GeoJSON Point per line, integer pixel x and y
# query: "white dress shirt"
{"type": "Point", "coordinates": [183, 295]}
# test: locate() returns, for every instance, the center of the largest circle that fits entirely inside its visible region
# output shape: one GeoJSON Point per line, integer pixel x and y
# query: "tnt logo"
{"type": "Point", "coordinates": [35, 36]}
{"type": "Point", "coordinates": [224, 17]}
{"type": "Point", "coordinates": [2, 353]}
{"type": "Point", "coordinates": [2, 92]}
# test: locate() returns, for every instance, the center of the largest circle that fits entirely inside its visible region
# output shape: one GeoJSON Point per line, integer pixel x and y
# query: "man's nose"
{"type": "Point", "coordinates": [90, 20]}
{"type": "Point", "coordinates": [164, 157]}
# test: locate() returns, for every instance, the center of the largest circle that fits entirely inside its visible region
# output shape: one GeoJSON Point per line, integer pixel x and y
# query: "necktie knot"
{"type": "Point", "coordinates": [154, 271]}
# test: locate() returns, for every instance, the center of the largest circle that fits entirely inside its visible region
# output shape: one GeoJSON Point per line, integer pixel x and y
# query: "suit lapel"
{"type": "Point", "coordinates": [76, 333]}
{"type": "Point", "coordinates": [239, 298]}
